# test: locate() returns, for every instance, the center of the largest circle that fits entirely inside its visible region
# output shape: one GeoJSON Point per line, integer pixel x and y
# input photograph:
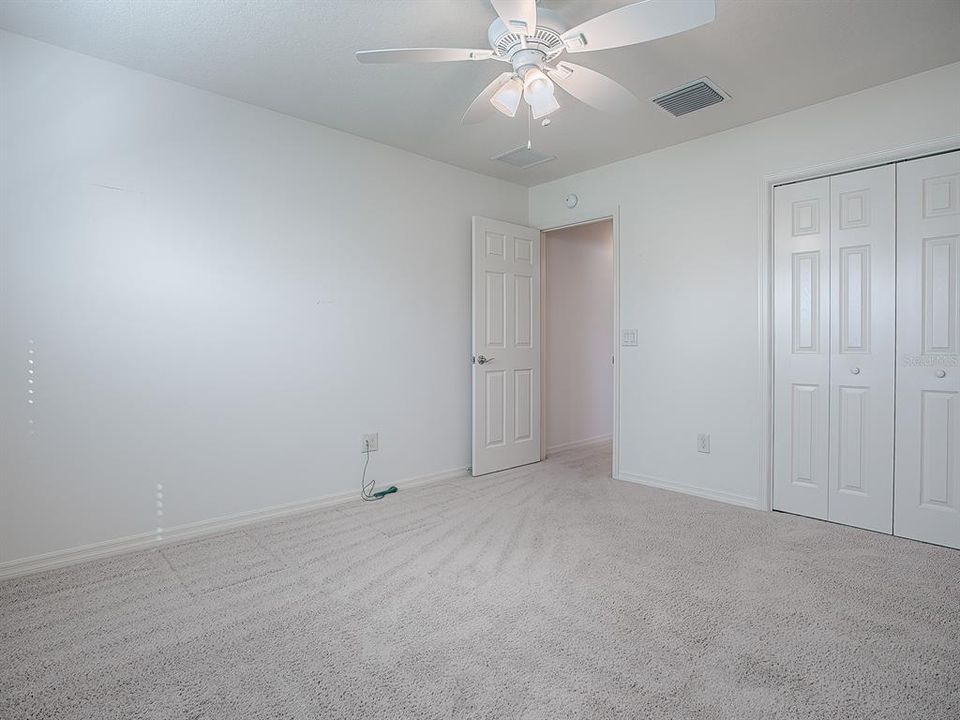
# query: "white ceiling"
{"type": "Point", "coordinates": [296, 57]}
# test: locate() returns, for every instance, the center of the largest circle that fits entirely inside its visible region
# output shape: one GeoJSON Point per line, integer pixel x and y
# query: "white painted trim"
{"type": "Point", "coordinates": [544, 263]}
{"type": "Point", "coordinates": [599, 440]}
{"type": "Point", "coordinates": [615, 472]}
{"type": "Point", "coordinates": [707, 493]}
{"type": "Point", "coordinates": [180, 533]}
{"type": "Point", "coordinates": [580, 218]}
{"type": "Point", "coordinates": [765, 270]}
{"type": "Point", "coordinates": [78, 554]}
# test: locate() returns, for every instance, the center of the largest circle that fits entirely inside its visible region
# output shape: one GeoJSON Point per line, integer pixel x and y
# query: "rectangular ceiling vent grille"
{"type": "Point", "coordinates": [691, 97]}
{"type": "Point", "coordinates": [523, 157]}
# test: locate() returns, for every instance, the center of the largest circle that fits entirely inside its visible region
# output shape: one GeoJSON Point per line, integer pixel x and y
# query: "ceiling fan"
{"type": "Point", "coordinates": [532, 39]}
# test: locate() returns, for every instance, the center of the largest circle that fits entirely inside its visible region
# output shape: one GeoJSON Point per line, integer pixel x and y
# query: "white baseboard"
{"type": "Point", "coordinates": [599, 440]}
{"type": "Point", "coordinates": [709, 494]}
{"type": "Point", "coordinates": [179, 533]}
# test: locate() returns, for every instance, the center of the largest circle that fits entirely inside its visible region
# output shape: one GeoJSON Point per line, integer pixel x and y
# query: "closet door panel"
{"type": "Point", "coordinates": [802, 347]}
{"type": "Point", "coordinates": [927, 487]}
{"type": "Point", "coordinates": [862, 358]}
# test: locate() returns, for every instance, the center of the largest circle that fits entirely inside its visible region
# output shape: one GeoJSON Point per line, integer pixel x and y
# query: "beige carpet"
{"type": "Point", "coordinates": [547, 592]}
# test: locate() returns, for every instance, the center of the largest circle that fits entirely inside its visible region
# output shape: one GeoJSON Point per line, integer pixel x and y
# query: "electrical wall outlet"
{"type": "Point", "coordinates": [369, 442]}
{"type": "Point", "coordinates": [703, 443]}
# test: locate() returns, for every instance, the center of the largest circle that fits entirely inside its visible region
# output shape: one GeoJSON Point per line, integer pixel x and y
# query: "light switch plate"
{"type": "Point", "coordinates": [629, 338]}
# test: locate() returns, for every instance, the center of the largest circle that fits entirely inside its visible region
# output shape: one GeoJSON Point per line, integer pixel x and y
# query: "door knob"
{"type": "Point", "coordinates": [941, 373]}
{"type": "Point", "coordinates": [855, 371]}
{"type": "Point", "coordinates": [481, 360]}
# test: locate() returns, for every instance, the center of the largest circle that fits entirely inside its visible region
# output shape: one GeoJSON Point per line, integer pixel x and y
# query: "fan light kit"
{"type": "Point", "coordinates": [531, 40]}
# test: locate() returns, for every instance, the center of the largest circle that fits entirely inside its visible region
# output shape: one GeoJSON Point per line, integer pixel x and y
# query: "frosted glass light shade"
{"type": "Point", "coordinates": [544, 106]}
{"type": "Point", "coordinates": [507, 98]}
{"type": "Point", "coordinates": [538, 92]}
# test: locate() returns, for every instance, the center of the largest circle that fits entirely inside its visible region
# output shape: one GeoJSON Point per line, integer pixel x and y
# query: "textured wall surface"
{"type": "Point", "coordinates": [217, 298]}
{"type": "Point", "coordinates": [689, 270]}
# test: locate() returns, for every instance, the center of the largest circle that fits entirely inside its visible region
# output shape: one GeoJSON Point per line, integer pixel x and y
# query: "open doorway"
{"type": "Point", "coordinates": [578, 391]}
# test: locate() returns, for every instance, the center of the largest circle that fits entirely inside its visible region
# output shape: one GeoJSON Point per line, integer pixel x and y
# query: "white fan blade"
{"type": "Point", "coordinates": [593, 88]}
{"type": "Point", "coordinates": [637, 23]}
{"type": "Point", "coordinates": [421, 55]}
{"type": "Point", "coordinates": [482, 109]}
{"type": "Point", "coordinates": [518, 15]}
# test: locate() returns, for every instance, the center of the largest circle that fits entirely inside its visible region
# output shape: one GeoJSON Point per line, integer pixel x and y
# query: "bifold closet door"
{"type": "Point", "coordinates": [801, 347]}
{"type": "Point", "coordinates": [927, 502]}
{"type": "Point", "coordinates": [863, 347]}
{"type": "Point", "coordinates": [834, 338]}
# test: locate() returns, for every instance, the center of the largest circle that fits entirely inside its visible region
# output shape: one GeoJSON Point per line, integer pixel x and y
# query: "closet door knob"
{"type": "Point", "coordinates": [854, 371]}
{"type": "Point", "coordinates": [941, 373]}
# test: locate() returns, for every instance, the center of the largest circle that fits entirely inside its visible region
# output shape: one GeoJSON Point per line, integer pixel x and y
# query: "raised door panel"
{"type": "Point", "coordinates": [496, 412]}
{"type": "Point", "coordinates": [806, 302]}
{"type": "Point", "coordinates": [496, 244]}
{"type": "Point", "coordinates": [854, 209]}
{"type": "Point", "coordinates": [805, 215]}
{"type": "Point", "coordinates": [804, 448]}
{"type": "Point", "coordinates": [523, 322]}
{"type": "Point", "coordinates": [523, 406]}
{"type": "Point", "coordinates": [495, 295]}
{"type": "Point", "coordinates": [941, 300]}
{"type": "Point", "coordinates": [927, 492]}
{"type": "Point", "coordinates": [854, 299]}
{"type": "Point", "coordinates": [523, 252]}
{"type": "Point", "coordinates": [853, 448]}
{"type": "Point", "coordinates": [941, 195]}
{"type": "Point", "coordinates": [863, 336]}
{"type": "Point", "coordinates": [939, 445]}
{"type": "Point", "coordinates": [802, 347]}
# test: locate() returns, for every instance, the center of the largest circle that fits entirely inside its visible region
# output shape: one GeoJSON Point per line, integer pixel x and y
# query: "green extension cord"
{"type": "Point", "coordinates": [366, 488]}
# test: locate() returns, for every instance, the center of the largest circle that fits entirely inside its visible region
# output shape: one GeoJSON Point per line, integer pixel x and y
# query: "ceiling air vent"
{"type": "Point", "coordinates": [523, 157]}
{"type": "Point", "coordinates": [691, 97]}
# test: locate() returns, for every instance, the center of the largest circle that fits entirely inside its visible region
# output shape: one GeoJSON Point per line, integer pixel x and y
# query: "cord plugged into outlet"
{"type": "Point", "coordinates": [369, 443]}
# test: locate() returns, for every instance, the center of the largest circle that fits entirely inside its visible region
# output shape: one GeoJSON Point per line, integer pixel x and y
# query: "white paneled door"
{"type": "Point", "coordinates": [927, 493]}
{"type": "Point", "coordinates": [802, 347]}
{"type": "Point", "coordinates": [863, 345]}
{"type": "Point", "coordinates": [506, 345]}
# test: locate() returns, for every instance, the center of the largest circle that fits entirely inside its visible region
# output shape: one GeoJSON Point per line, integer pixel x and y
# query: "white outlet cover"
{"type": "Point", "coordinates": [374, 442]}
{"type": "Point", "coordinates": [630, 338]}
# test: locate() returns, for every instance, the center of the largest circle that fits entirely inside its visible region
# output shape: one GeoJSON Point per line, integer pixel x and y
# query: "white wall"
{"type": "Point", "coordinates": [689, 268]}
{"type": "Point", "coordinates": [220, 298]}
{"type": "Point", "coordinates": [578, 324]}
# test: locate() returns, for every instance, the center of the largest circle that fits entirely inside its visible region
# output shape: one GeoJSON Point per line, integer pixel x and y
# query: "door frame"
{"type": "Point", "coordinates": [575, 221]}
{"type": "Point", "coordinates": [765, 269]}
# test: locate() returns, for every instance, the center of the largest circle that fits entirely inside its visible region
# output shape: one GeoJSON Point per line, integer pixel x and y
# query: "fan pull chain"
{"type": "Point", "coordinates": [529, 128]}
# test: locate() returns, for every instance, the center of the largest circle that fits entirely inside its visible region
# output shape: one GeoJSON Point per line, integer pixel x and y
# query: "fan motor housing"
{"type": "Point", "coordinates": [546, 41]}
